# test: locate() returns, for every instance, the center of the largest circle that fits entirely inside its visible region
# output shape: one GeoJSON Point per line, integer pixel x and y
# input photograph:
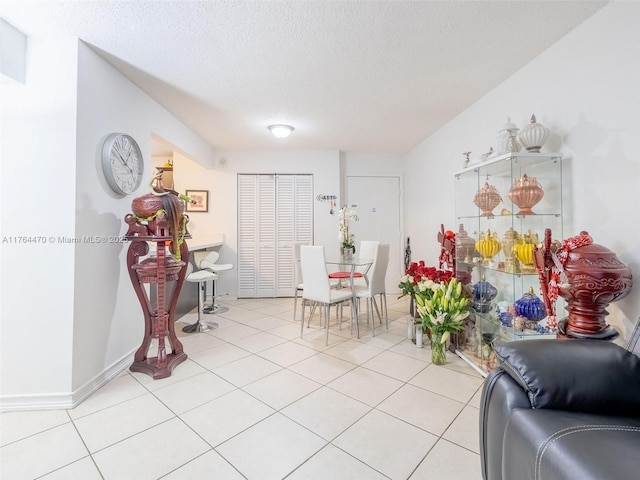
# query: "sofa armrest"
{"type": "Point", "coordinates": [591, 376]}
{"type": "Point", "coordinates": [501, 395]}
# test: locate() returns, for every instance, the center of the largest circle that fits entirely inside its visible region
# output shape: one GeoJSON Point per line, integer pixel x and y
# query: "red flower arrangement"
{"type": "Point", "coordinates": [417, 272]}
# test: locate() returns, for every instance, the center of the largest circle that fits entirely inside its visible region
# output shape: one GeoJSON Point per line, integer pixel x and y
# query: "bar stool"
{"type": "Point", "coordinates": [208, 261]}
{"type": "Point", "coordinates": [201, 277]}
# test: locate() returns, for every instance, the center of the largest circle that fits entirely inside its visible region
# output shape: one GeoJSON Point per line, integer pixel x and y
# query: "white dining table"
{"type": "Point", "coordinates": [349, 266]}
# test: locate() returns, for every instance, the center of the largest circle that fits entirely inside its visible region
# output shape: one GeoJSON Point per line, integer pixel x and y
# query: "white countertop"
{"type": "Point", "coordinates": [202, 242]}
{"type": "Point", "coordinates": [198, 242]}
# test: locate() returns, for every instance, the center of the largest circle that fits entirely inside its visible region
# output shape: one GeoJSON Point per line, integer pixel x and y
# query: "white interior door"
{"type": "Point", "coordinates": [378, 204]}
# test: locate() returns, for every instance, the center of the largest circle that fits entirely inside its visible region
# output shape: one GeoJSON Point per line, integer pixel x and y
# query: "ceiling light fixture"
{"type": "Point", "coordinates": [281, 131]}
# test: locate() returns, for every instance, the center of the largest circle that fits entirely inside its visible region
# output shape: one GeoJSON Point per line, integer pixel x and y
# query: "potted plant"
{"type": "Point", "coordinates": [347, 244]}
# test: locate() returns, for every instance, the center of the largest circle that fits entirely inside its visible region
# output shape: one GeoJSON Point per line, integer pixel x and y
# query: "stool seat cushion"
{"type": "Point", "coordinates": [345, 275]}
{"type": "Point", "coordinates": [216, 267]}
{"type": "Point", "coordinates": [201, 276]}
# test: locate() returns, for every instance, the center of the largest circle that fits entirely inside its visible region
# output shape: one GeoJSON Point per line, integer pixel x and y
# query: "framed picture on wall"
{"type": "Point", "coordinates": [201, 197]}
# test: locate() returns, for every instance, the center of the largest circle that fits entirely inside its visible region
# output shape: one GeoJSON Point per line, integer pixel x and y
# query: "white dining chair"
{"type": "Point", "coordinates": [367, 249]}
{"type": "Point", "coordinates": [376, 286]}
{"type": "Point", "coordinates": [298, 279]}
{"type": "Point", "coordinates": [317, 287]}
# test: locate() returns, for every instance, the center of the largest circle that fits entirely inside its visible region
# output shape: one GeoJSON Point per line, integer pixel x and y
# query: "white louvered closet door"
{"type": "Point", "coordinates": [247, 235]}
{"type": "Point", "coordinates": [294, 221]}
{"type": "Point", "coordinates": [266, 265]}
{"type": "Point", "coordinates": [274, 212]}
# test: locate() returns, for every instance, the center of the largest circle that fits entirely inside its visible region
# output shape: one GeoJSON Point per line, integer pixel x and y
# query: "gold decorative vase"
{"type": "Point", "coordinates": [509, 240]}
{"type": "Point", "coordinates": [525, 193]}
{"type": "Point", "coordinates": [488, 246]}
{"type": "Point", "coordinates": [524, 253]}
{"type": "Point", "coordinates": [487, 198]}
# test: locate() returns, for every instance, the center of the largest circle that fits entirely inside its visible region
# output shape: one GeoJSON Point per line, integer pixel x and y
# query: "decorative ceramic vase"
{"type": "Point", "coordinates": [148, 205]}
{"type": "Point", "coordinates": [438, 353]}
{"type": "Point", "coordinates": [525, 193]}
{"type": "Point", "coordinates": [483, 294]}
{"type": "Point", "coordinates": [506, 319]}
{"type": "Point", "coordinates": [524, 253]}
{"type": "Point", "coordinates": [595, 278]}
{"type": "Point", "coordinates": [487, 198]}
{"type": "Point", "coordinates": [509, 240]}
{"type": "Point", "coordinates": [533, 136]}
{"type": "Point", "coordinates": [507, 138]}
{"type": "Point", "coordinates": [465, 245]}
{"type": "Point", "coordinates": [488, 246]}
{"type": "Point", "coordinates": [531, 307]}
{"type": "Point", "coordinates": [162, 214]}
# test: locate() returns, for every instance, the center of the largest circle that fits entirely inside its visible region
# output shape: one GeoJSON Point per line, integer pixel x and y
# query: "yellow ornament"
{"type": "Point", "coordinates": [488, 245]}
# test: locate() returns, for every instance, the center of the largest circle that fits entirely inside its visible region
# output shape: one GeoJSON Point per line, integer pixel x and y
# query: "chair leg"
{"type": "Point", "coordinates": [354, 314]}
{"type": "Point", "coordinates": [302, 318]}
{"type": "Point", "coordinates": [351, 321]}
{"type": "Point", "coordinates": [370, 314]}
{"type": "Point", "coordinates": [386, 311]}
{"type": "Point", "coordinates": [200, 325]}
{"type": "Point", "coordinates": [327, 311]}
{"type": "Point", "coordinates": [375, 304]}
{"type": "Point", "coordinates": [313, 310]}
{"type": "Point", "coordinates": [217, 308]}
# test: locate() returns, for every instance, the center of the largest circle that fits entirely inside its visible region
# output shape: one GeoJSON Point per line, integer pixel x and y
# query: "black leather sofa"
{"type": "Point", "coordinates": [562, 409]}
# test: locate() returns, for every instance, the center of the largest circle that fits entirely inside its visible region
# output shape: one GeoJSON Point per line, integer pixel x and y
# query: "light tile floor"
{"type": "Point", "coordinates": [255, 401]}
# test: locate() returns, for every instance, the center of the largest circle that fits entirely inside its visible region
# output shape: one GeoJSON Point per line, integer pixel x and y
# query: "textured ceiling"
{"type": "Point", "coordinates": [365, 76]}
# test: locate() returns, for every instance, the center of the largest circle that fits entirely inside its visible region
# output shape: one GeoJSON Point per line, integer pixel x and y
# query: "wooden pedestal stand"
{"type": "Point", "coordinates": [156, 271]}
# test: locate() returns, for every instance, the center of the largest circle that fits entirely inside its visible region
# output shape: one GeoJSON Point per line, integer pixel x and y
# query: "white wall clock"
{"type": "Point", "coordinates": [122, 163]}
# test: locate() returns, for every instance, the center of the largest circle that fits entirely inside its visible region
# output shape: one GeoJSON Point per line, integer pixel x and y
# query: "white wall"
{"type": "Point", "coordinates": [586, 89]}
{"type": "Point", "coordinates": [70, 315]}
{"type": "Point", "coordinates": [13, 53]}
{"type": "Point", "coordinates": [38, 197]}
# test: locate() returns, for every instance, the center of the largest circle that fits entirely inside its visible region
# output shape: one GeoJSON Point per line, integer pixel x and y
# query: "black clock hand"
{"type": "Point", "coordinates": [124, 162]}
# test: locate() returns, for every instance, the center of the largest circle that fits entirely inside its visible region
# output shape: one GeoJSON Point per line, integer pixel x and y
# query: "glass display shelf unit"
{"type": "Point", "coordinates": [503, 207]}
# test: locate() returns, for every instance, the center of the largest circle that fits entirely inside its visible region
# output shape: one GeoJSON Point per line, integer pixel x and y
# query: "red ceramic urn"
{"type": "Point", "coordinates": [595, 278]}
{"type": "Point", "coordinates": [147, 207]}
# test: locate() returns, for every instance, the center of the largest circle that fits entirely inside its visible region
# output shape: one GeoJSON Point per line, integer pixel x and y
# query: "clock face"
{"type": "Point", "coordinates": [122, 163]}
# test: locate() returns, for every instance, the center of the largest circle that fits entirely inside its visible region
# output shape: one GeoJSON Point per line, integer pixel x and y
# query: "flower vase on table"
{"type": "Point", "coordinates": [347, 244]}
{"type": "Point", "coordinates": [347, 253]}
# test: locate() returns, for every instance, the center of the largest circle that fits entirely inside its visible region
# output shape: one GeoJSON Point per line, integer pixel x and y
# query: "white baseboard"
{"type": "Point", "coordinates": [57, 401]}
